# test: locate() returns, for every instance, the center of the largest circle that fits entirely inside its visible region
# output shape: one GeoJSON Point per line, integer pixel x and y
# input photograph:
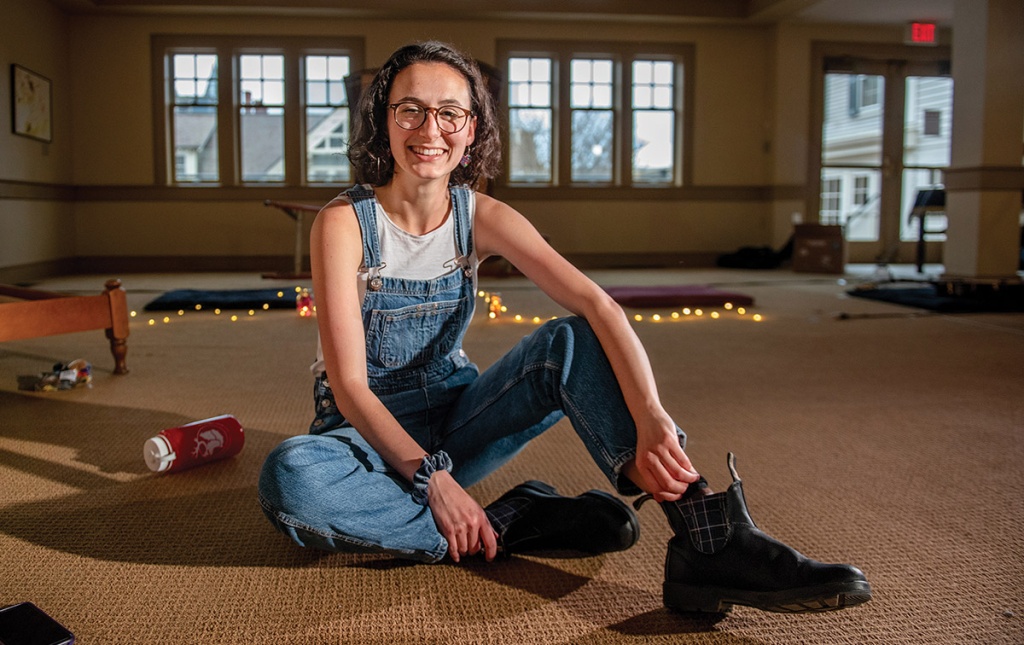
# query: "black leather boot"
{"type": "Point", "coordinates": [534, 517]}
{"type": "Point", "coordinates": [719, 558]}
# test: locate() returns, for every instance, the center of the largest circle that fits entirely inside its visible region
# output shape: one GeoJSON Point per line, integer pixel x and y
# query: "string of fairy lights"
{"type": "Point", "coordinates": [496, 309]}
{"type": "Point", "coordinates": [305, 307]}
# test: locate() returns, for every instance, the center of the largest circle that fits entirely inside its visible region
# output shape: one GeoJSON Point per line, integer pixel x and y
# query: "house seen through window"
{"type": "Point", "coordinates": [239, 113]}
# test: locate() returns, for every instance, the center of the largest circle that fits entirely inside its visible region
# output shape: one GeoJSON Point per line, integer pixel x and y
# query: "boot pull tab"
{"type": "Point", "coordinates": [732, 467]}
{"type": "Point", "coordinates": [639, 501]}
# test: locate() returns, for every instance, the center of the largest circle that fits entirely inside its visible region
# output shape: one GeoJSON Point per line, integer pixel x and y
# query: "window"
{"type": "Point", "coordinates": [194, 115]}
{"type": "Point", "coordinates": [609, 116]}
{"type": "Point", "coordinates": [831, 201]}
{"type": "Point", "coordinates": [865, 92]}
{"type": "Point", "coordinates": [236, 111]}
{"type": "Point", "coordinates": [654, 100]}
{"type": "Point", "coordinates": [261, 116]}
{"type": "Point", "coordinates": [531, 119]}
{"type": "Point", "coordinates": [593, 120]}
{"type": "Point", "coordinates": [861, 187]}
{"type": "Point", "coordinates": [327, 118]}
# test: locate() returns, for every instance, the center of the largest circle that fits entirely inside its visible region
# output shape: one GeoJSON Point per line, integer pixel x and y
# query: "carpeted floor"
{"type": "Point", "coordinates": [863, 435]}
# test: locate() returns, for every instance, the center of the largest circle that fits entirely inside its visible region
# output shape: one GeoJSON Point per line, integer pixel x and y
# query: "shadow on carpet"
{"type": "Point", "coordinates": [224, 299]}
{"type": "Point", "coordinates": [949, 298]}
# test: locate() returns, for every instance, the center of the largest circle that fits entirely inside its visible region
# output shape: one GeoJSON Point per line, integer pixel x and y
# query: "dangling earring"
{"type": "Point", "coordinates": [466, 158]}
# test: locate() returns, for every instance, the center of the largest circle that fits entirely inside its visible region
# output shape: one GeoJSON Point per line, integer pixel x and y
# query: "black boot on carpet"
{"type": "Point", "coordinates": [534, 517]}
{"type": "Point", "coordinates": [719, 558]}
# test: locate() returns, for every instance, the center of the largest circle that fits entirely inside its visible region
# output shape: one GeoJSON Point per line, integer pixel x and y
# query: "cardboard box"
{"type": "Point", "coordinates": [819, 248]}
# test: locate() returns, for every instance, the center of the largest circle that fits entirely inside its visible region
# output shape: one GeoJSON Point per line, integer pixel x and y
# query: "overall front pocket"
{"type": "Point", "coordinates": [413, 335]}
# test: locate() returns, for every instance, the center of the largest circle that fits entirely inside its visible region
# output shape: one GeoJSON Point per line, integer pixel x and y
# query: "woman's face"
{"type": "Point", "coordinates": [428, 152]}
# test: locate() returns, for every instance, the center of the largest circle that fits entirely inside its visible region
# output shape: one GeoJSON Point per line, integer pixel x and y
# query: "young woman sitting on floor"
{"type": "Point", "coordinates": [405, 422]}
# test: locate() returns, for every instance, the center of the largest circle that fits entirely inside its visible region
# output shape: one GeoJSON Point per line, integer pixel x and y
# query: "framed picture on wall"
{"type": "Point", "coordinates": [31, 98]}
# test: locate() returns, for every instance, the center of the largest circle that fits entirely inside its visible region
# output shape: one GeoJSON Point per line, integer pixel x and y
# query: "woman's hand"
{"type": "Point", "coordinates": [459, 518]}
{"type": "Point", "coordinates": [661, 467]}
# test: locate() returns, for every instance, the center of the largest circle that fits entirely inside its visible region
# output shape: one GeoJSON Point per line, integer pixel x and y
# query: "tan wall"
{"type": "Point", "coordinates": [750, 132]}
{"type": "Point", "coordinates": [35, 229]}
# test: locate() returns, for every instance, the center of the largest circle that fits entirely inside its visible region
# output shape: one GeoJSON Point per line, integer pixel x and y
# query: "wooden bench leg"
{"type": "Point", "coordinates": [118, 330]}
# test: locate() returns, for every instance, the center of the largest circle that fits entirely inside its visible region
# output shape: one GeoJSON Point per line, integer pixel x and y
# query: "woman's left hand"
{"type": "Point", "coordinates": [460, 519]}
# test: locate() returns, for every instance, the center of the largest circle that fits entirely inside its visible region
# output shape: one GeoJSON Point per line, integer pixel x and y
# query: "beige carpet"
{"type": "Point", "coordinates": [890, 440]}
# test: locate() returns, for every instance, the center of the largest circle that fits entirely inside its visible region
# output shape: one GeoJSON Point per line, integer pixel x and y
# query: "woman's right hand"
{"type": "Point", "coordinates": [459, 518]}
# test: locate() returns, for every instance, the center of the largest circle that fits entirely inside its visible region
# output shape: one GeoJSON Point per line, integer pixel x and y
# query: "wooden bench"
{"type": "Point", "coordinates": [33, 313]}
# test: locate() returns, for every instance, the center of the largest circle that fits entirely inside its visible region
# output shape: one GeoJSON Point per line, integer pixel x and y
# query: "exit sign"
{"type": "Point", "coordinates": [921, 33]}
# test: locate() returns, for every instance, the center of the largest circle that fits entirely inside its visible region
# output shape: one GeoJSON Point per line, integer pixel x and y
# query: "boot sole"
{"type": "Point", "coordinates": [690, 598]}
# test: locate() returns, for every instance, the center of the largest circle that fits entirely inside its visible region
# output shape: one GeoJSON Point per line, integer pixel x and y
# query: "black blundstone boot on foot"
{"type": "Point", "coordinates": [534, 517]}
{"type": "Point", "coordinates": [719, 558]}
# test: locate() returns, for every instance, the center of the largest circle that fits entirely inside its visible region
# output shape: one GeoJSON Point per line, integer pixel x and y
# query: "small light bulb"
{"type": "Point", "coordinates": [492, 315]}
{"type": "Point", "coordinates": [280, 294]}
{"type": "Point", "coordinates": [675, 315]}
{"type": "Point", "coordinates": [741, 311]}
{"type": "Point", "coordinates": [714, 314]}
{"type": "Point", "coordinates": [536, 320]}
{"type": "Point", "coordinates": [481, 294]}
{"type": "Point", "coordinates": [728, 306]}
{"type": "Point", "coordinates": [518, 318]}
{"type": "Point", "coordinates": [698, 312]}
{"type": "Point", "coordinates": [198, 307]}
{"type": "Point", "coordinates": [656, 318]}
{"type": "Point", "coordinates": [686, 311]}
{"type": "Point", "coordinates": [216, 311]}
{"type": "Point", "coordinates": [266, 306]}
{"type": "Point", "coordinates": [757, 317]}
{"type": "Point", "coordinates": [234, 318]}
{"type": "Point", "coordinates": [152, 322]}
{"type": "Point", "coordinates": [181, 312]}
{"type": "Point", "coordinates": [167, 319]}
{"type": "Point", "coordinates": [252, 313]}
{"type": "Point", "coordinates": [134, 314]}
{"type": "Point", "coordinates": [638, 318]}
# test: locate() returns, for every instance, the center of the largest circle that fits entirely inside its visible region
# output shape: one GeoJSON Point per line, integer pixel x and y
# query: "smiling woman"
{"type": "Point", "coordinates": [404, 422]}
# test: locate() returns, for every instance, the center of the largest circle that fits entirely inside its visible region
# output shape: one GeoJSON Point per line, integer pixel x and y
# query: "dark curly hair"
{"type": "Point", "coordinates": [369, 149]}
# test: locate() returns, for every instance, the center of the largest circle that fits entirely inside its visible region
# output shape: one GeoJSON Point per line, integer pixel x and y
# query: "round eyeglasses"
{"type": "Point", "coordinates": [411, 116]}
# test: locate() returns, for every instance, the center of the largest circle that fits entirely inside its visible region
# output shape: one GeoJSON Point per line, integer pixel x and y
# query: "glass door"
{"type": "Point", "coordinates": [884, 136]}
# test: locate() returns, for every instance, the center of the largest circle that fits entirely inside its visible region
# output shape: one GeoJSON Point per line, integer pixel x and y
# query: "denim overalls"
{"type": "Point", "coordinates": [329, 489]}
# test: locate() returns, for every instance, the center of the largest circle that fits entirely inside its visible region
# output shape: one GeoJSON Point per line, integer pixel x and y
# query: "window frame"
{"type": "Point", "coordinates": [622, 184]}
{"type": "Point", "coordinates": [228, 49]}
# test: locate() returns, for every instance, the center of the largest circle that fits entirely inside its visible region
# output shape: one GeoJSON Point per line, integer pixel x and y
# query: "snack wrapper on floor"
{"type": "Point", "coordinates": [64, 376]}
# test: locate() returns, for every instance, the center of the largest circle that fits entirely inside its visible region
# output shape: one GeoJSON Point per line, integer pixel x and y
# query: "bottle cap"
{"type": "Point", "coordinates": [158, 454]}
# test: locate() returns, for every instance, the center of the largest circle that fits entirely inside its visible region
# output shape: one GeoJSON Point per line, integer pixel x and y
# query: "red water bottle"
{"type": "Point", "coordinates": [194, 444]}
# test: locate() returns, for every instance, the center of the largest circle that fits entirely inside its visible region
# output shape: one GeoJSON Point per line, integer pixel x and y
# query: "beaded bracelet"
{"type": "Point", "coordinates": [431, 464]}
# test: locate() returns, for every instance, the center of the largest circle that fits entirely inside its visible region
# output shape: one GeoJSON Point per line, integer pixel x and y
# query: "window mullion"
{"type": "Point", "coordinates": [623, 140]}
{"type": "Point", "coordinates": [563, 141]}
{"type": "Point", "coordinates": [294, 141]}
{"type": "Point", "coordinates": [227, 118]}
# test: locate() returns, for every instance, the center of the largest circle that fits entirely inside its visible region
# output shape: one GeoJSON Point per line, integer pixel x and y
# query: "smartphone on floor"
{"type": "Point", "coordinates": [26, 624]}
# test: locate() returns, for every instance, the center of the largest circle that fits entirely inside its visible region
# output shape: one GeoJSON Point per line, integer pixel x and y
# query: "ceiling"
{"type": "Point", "coordinates": [867, 12]}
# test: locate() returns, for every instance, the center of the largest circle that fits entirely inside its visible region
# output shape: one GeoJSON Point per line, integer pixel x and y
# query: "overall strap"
{"type": "Point", "coordinates": [463, 237]}
{"type": "Point", "coordinates": [363, 201]}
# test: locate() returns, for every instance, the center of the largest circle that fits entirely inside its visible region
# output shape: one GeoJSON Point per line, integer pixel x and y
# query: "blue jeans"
{"type": "Point", "coordinates": [333, 491]}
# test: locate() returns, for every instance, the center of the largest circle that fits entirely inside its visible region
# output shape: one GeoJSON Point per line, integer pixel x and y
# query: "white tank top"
{"type": "Point", "coordinates": [414, 257]}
